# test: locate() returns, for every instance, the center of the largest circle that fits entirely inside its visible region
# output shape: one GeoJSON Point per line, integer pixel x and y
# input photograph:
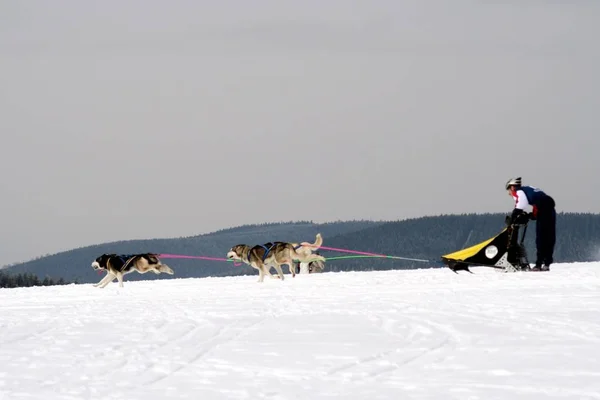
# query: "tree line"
{"type": "Point", "coordinates": [8, 280]}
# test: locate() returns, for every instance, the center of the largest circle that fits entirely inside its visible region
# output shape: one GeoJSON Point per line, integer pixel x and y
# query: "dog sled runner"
{"type": "Point", "coordinates": [505, 252]}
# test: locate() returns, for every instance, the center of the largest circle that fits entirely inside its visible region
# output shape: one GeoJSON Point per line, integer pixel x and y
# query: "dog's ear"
{"type": "Point", "coordinates": [102, 260]}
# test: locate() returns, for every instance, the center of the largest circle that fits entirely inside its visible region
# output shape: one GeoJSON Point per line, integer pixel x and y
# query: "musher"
{"type": "Point", "coordinates": [533, 203]}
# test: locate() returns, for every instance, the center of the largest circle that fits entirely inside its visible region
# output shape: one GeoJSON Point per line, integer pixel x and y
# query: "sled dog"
{"type": "Point", "coordinates": [275, 254]}
{"type": "Point", "coordinates": [116, 266]}
{"type": "Point", "coordinates": [312, 267]}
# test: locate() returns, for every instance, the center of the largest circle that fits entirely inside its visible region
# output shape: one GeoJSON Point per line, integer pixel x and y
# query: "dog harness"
{"type": "Point", "coordinates": [125, 257]}
{"type": "Point", "coordinates": [268, 247]}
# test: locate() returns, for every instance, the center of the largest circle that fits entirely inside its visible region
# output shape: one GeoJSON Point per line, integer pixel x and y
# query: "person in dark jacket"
{"type": "Point", "coordinates": [535, 204]}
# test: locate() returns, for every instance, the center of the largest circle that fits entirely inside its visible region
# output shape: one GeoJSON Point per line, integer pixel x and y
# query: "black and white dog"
{"type": "Point", "coordinates": [116, 266]}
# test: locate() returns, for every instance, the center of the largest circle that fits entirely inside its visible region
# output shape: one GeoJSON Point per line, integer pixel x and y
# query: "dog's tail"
{"type": "Point", "coordinates": [314, 246]}
{"type": "Point", "coordinates": [165, 269]}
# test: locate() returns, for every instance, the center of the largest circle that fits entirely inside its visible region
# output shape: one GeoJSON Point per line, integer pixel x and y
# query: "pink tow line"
{"type": "Point", "coordinates": [196, 258]}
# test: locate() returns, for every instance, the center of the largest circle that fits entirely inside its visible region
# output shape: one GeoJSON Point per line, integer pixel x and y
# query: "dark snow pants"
{"type": "Point", "coordinates": [545, 231]}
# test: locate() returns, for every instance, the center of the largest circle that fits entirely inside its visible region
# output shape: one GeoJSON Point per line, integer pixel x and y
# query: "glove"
{"type": "Point", "coordinates": [532, 216]}
{"type": "Point", "coordinates": [519, 217]}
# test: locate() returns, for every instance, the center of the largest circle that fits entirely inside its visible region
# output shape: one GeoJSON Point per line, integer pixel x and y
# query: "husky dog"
{"type": "Point", "coordinates": [116, 266]}
{"type": "Point", "coordinates": [275, 254]}
{"type": "Point", "coordinates": [311, 267]}
{"type": "Point", "coordinates": [307, 249]}
{"type": "Point", "coordinates": [316, 267]}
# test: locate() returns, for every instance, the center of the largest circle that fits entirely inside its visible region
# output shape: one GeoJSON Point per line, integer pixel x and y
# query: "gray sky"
{"type": "Point", "coordinates": [144, 119]}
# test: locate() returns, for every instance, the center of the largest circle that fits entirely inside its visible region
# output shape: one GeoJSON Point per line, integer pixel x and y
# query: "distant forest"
{"type": "Point", "coordinates": [8, 280]}
{"type": "Point", "coordinates": [428, 238]}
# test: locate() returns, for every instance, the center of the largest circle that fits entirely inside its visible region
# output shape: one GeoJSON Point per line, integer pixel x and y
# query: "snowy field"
{"type": "Point", "coordinates": [422, 334]}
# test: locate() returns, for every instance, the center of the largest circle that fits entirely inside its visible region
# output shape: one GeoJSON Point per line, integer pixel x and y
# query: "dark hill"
{"type": "Point", "coordinates": [426, 238]}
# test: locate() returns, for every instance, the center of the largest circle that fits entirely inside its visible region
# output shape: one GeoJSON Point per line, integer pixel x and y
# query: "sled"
{"type": "Point", "coordinates": [504, 252]}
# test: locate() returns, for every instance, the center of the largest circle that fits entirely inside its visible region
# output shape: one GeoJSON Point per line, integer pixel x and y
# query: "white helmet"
{"type": "Point", "coordinates": [513, 182]}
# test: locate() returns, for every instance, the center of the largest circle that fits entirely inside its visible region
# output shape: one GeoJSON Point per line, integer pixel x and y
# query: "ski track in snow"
{"type": "Point", "coordinates": [420, 334]}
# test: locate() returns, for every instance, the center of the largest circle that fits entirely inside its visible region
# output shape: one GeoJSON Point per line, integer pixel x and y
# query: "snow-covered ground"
{"type": "Point", "coordinates": [421, 334]}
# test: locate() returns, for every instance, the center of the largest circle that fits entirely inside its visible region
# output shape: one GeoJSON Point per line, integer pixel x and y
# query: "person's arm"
{"type": "Point", "coordinates": [521, 203]}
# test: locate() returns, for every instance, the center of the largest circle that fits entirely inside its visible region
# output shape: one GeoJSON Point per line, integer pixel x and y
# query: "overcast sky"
{"type": "Point", "coordinates": [144, 119]}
